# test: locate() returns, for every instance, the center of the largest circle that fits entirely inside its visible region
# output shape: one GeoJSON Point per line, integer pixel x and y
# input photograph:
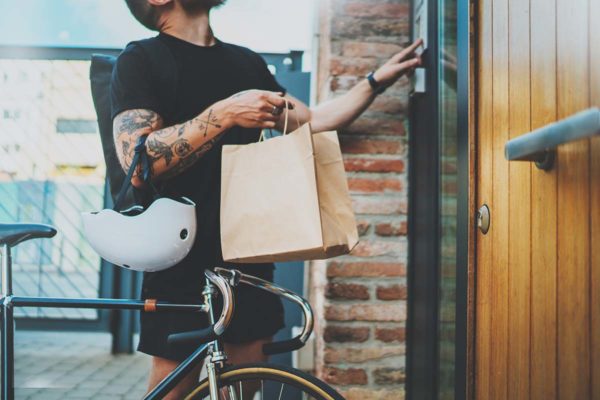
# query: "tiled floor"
{"type": "Point", "coordinates": [67, 365]}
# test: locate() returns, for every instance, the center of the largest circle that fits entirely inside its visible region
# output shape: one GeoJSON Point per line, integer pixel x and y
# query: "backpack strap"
{"type": "Point", "coordinates": [163, 69]}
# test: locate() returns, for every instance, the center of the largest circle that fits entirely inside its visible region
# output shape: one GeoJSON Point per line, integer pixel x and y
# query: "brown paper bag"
{"type": "Point", "coordinates": [286, 199]}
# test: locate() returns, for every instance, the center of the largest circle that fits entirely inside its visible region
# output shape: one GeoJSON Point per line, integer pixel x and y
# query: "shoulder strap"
{"type": "Point", "coordinates": [163, 67]}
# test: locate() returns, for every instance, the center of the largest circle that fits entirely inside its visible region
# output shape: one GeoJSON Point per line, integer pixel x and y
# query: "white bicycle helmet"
{"type": "Point", "coordinates": [153, 240]}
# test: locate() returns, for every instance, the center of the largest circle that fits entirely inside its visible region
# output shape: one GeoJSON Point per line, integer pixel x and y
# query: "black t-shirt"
{"type": "Point", "coordinates": [205, 75]}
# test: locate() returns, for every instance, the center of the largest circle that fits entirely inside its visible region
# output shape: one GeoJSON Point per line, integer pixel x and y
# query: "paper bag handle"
{"type": "Point", "coordinates": [285, 125]}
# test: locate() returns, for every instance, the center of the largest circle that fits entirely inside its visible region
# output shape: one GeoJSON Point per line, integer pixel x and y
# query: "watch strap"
{"type": "Point", "coordinates": [376, 86]}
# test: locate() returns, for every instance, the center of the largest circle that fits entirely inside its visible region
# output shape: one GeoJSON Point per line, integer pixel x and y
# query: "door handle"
{"type": "Point", "coordinates": [540, 145]}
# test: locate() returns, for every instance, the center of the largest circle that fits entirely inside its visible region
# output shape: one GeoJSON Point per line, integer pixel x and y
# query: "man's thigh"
{"type": "Point", "coordinates": [242, 353]}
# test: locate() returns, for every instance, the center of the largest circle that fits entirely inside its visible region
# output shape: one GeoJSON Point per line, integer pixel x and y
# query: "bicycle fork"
{"type": "Point", "coordinates": [217, 356]}
{"type": "Point", "coordinates": [8, 328]}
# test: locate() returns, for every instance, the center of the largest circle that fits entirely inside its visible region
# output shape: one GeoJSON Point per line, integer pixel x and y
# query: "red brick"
{"type": "Point", "coordinates": [358, 393]}
{"type": "Point", "coordinates": [361, 9]}
{"type": "Point", "coordinates": [392, 229]}
{"type": "Point", "coordinates": [368, 49]}
{"type": "Point", "coordinates": [449, 187]}
{"type": "Point", "coordinates": [360, 355]}
{"type": "Point", "coordinates": [373, 249]}
{"type": "Point", "coordinates": [350, 376]}
{"type": "Point", "coordinates": [343, 334]}
{"type": "Point", "coordinates": [348, 291]}
{"type": "Point", "coordinates": [367, 312]}
{"type": "Point", "coordinates": [365, 269]}
{"type": "Point", "coordinates": [363, 227]}
{"type": "Point", "coordinates": [388, 335]}
{"type": "Point", "coordinates": [373, 29]}
{"type": "Point", "coordinates": [449, 167]}
{"type": "Point", "coordinates": [352, 66]}
{"type": "Point", "coordinates": [374, 185]}
{"type": "Point", "coordinates": [391, 126]}
{"type": "Point", "coordinates": [373, 165]}
{"type": "Point", "coordinates": [379, 205]}
{"type": "Point", "coordinates": [390, 105]}
{"type": "Point", "coordinates": [394, 292]}
{"type": "Point", "coordinates": [389, 376]}
{"type": "Point", "coordinates": [354, 145]}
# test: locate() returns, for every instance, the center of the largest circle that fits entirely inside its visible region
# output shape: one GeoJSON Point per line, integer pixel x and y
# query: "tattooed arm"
{"type": "Point", "coordinates": [174, 149]}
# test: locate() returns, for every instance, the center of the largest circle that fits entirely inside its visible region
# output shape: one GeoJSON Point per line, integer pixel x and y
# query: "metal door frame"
{"type": "Point", "coordinates": [424, 218]}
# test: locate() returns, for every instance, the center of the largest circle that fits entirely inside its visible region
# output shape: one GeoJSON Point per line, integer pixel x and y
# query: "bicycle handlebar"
{"type": "Point", "coordinates": [285, 345]}
{"type": "Point", "coordinates": [215, 330]}
{"type": "Point", "coordinates": [201, 336]}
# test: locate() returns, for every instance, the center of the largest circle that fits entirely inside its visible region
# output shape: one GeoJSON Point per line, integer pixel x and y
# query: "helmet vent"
{"type": "Point", "coordinates": [126, 266]}
{"type": "Point", "coordinates": [183, 234]}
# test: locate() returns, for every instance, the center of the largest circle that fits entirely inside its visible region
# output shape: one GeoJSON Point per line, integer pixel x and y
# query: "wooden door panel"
{"type": "Point", "coordinates": [573, 205]}
{"type": "Point", "coordinates": [483, 296]}
{"type": "Point", "coordinates": [519, 217]}
{"type": "Point", "coordinates": [543, 206]}
{"type": "Point", "coordinates": [595, 200]}
{"type": "Point", "coordinates": [537, 324]}
{"type": "Point", "coordinates": [500, 212]}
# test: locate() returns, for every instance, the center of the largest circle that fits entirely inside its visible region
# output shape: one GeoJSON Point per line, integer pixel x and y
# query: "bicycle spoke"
{"type": "Point", "coordinates": [232, 394]}
{"type": "Point", "coordinates": [273, 384]}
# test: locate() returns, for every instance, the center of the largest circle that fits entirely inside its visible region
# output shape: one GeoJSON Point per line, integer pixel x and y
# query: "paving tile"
{"type": "Point", "coordinates": [60, 365]}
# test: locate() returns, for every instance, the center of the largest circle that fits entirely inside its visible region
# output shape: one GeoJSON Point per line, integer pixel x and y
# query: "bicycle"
{"type": "Point", "coordinates": [223, 381]}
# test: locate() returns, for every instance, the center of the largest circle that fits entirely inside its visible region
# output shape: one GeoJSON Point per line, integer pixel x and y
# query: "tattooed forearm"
{"type": "Point", "coordinates": [172, 149]}
{"type": "Point", "coordinates": [134, 120]}
{"type": "Point", "coordinates": [127, 127]}
{"type": "Point", "coordinates": [189, 160]}
{"type": "Point", "coordinates": [182, 148]}
{"type": "Point", "coordinates": [157, 150]}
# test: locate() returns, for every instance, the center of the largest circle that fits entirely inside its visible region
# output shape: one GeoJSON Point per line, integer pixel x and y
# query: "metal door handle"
{"type": "Point", "coordinates": [539, 146]}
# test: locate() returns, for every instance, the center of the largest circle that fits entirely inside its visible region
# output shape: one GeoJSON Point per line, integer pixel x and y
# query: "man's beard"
{"type": "Point", "coordinates": [194, 6]}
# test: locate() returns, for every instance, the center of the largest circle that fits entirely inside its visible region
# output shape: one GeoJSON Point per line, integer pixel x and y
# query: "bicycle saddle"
{"type": "Point", "coordinates": [13, 234]}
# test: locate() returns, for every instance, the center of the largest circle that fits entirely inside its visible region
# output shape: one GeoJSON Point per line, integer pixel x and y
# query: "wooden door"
{"type": "Point", "coordinates": [537, 316]}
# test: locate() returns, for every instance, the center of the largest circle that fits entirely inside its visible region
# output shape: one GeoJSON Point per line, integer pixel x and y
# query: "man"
{"type": "Point", "coordinates": [225, 95]}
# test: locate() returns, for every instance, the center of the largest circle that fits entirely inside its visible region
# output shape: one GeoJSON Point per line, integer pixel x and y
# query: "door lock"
{"type": "Point", "coordinates": [483, 219]}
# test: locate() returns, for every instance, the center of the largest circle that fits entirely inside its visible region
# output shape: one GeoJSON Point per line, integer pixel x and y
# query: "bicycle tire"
{"type": "Point", "coordinates": [230, 376]}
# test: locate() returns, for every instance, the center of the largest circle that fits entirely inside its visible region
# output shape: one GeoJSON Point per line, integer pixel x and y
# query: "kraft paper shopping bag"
{"type": "Point", "coordinates": [286, 199]}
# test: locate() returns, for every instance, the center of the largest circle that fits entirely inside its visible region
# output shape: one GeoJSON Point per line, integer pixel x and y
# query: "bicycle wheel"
{"type": "Point", "coordinates": [272, 382]}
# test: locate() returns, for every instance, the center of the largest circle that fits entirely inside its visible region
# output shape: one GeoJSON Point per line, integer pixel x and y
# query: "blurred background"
{"type": "Point", "coordinates": [51, 165]}
{"type": "Point", "coordinates": [52, 169]}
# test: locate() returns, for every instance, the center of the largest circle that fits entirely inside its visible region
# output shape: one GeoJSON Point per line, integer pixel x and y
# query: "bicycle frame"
{"type": "Point", "coordinates": [213, 348]}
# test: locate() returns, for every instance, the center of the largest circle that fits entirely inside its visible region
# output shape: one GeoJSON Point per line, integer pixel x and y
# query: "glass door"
{"type": "Point", "coordinates": [439, 204]}
{"type": "Point", "coordinates": [448, 193]}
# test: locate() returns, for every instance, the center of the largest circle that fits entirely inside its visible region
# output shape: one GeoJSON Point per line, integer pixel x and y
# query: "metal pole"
{"type": "Point", "coordinates": [6, 271]}
{"type": "Point", "coordinates": [7, 336]}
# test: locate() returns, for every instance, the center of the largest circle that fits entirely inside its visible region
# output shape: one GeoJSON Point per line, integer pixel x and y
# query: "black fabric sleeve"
{"type": "Point", "coordinates": [131, 84]}
{"type": "Point", "coordinates": [268, 80]}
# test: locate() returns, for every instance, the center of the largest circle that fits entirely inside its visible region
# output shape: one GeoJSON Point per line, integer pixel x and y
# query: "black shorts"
{"type": "Point", "coordinates": [258, 315]}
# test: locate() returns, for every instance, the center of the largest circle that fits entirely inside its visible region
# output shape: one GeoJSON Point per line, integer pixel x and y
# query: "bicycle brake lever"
{"type": "Point", "coordinates": [233, 276]}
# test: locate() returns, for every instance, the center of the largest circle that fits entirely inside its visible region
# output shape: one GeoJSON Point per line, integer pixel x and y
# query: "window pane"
{"type": "Point", "coordinates": [448, 195]}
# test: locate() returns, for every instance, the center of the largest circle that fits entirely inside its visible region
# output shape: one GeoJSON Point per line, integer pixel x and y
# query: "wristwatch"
{"type": "Point", "coordinates": [376, 86]}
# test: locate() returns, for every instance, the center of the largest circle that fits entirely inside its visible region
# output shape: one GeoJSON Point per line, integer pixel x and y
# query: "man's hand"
{"type": "Point", "coordinates": [400, 64]}
{"type": "Point", "coordinates": [253, 109]}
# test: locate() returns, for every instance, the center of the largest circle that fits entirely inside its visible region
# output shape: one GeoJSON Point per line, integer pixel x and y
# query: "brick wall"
{"type": "Point", "coordinates": [361, 298]}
